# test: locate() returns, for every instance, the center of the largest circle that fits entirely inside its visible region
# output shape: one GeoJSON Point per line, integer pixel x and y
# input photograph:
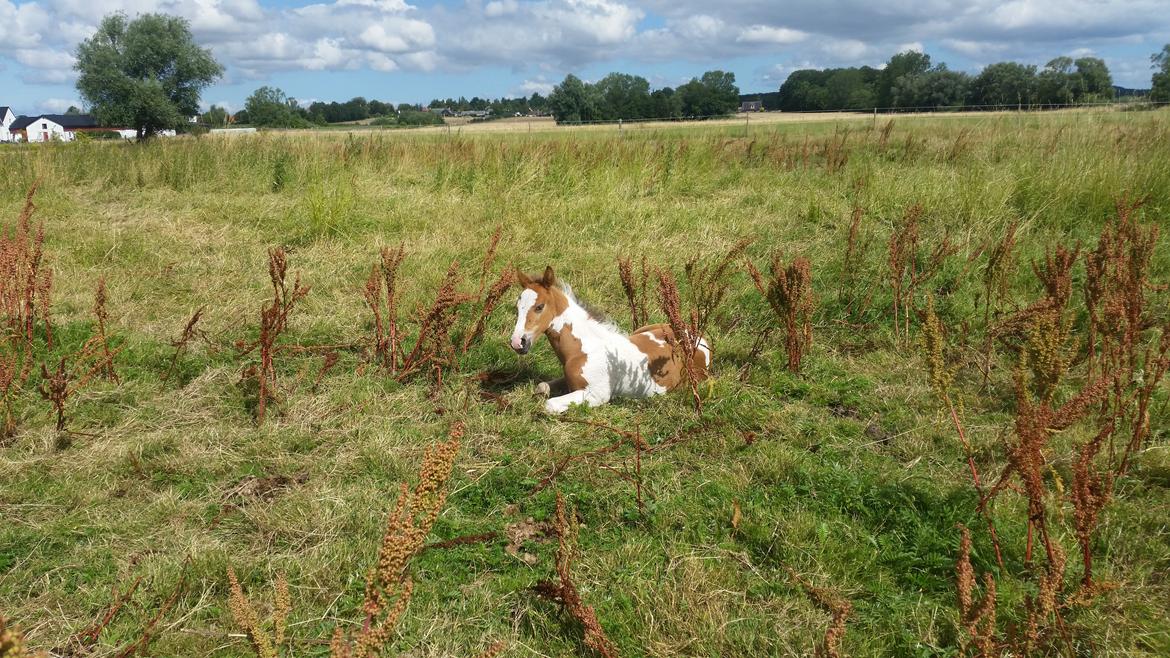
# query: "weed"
{"type": "Point", "coordinates": [910, 265]}
{"type": "Point", "coordinates": [12, 643]}
{"type": "Point", "coordinates": [635, 290]}
{"type": "Point", "coordinates": [273, 322]}
{"type": "Point", "coordinates": [686, 333]}
{"type": "Point", "coordinates": [264, 644]}
{"type": "Point", "coordinates": [789, 293]}
{"type": "Point", "coordinates": [388, 586]}
{"type": "Point", "coordinates": [190, 332]}
{"type": "Point", "coordinates": [565, 591]}
{"type": "Point", "coordinates": [977, 618]}
{"type": "Point", "coordinates": [102, 316]}
{"type": "Point", "coordinates": [836, 606]}
{"type": "Point", "coordinates": [707, 284]}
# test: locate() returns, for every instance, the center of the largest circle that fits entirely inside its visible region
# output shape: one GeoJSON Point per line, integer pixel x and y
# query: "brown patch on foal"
{"type": "Point", "coordinates": [666, 365]}
{"type": "Point", "coordinates": [568, 349]}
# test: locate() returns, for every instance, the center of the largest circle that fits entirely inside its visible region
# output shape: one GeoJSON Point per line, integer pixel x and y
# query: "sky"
{"type": "Point", "coordinates": [397, 51]}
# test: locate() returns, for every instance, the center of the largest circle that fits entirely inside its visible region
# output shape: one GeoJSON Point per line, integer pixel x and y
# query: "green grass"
{"type": "Point", "coordinates": [855, 479]}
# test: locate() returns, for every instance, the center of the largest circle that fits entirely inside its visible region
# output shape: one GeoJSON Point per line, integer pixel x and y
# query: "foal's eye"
{"type": "Point", "coordinates": [539, 308]}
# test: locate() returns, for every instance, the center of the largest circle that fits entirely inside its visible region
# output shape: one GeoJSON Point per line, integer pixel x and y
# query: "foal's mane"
{"type": "Point", "coordinates": [592, 310]}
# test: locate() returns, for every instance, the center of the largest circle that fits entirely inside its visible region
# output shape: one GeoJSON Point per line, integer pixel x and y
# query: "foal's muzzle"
{"type": "Point", "coordinates": [522, 345]}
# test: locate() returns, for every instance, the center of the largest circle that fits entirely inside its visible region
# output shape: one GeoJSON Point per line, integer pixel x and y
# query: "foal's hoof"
{"type": "Point", "coordinates": [543, 389]}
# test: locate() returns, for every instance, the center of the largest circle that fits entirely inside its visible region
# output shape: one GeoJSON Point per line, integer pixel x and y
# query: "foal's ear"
{"type": "Point", "coordinates": [523, 278]}
{"type": "Point", "coordinates": [550, 278]}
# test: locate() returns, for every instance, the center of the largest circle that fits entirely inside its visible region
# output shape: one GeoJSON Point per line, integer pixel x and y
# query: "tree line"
{"type": "Point", "coordinates": [628, 97]}
{"type": "Point", "coordinates": [909, 80]}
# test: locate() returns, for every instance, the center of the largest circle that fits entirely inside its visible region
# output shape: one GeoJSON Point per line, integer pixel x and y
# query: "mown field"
{"type": "Point", "coordinates": [843, 482]}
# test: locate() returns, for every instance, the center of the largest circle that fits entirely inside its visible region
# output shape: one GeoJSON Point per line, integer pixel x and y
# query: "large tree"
{"type": "Point", "coordinates": [714, 94]}
{"type": "Point", "coordinates": [1005, 83]}
{"type": "Point", "coordinates": [910, 62]}
{"type": "Point", "coordinates": [147, 73]}
{"type": "Point", "coordinates": [573, 101]}
{"type": "Point", "coordinates": [1160, 84]}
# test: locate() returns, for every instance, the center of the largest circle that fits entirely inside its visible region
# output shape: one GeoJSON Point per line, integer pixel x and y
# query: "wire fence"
{"type": "Point", "coordinates": [884, 111]}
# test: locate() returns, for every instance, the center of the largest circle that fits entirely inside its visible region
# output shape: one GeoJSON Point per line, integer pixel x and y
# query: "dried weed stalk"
{"type": "Point", "coordinates": [388, 586]}
{"type": "Point", "coordinates": [57, 386]}
{"type": "Point", "coordinates": [911, 265]}
{"type": "Point", "coordinates": [686, 333]}
{"type": "Point", "coordinates": [976, 617]}
{"type": "Point", "coordinates": [274, 315]}
{"type": "Point", "coordinates": [835, 605]}
{"type": "Point", "coordinates": [12, 643]}
{"type": "Point", "coordinates": [102, 316]}
{"type": "Point", "coordinates": [190, 332]}
{"type": "Point", "coordinates": [852, 266]}
{"type": "Point", "coordinates": [434, 347]}
{"type": "Point", "coordinates": [635, 289]}
{"type": "Point", "coordinates": [934, 344]}
{"type": "Point", "coordinates": [264, 644]}
{"type": "Point", "coordinates": [1121, 317]}
{"type": "Point", "coordinates": [707, 284]}
{"type": "Point", "coordinates": [565, 592]}
{"type": "Point", "coordinates": [789, 293]}
{"type": "Point", "coordinates": [25, 280]}
{"type": "Point", "coordinates": [25, 287]}
{"type": "Point", "coordinates": [996, 279]}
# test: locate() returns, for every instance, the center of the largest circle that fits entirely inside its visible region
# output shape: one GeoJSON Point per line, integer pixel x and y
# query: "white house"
{"type": "Point", "coordinates": [52, 127]}
{"type": "Point", "coordinates": [6, 119]}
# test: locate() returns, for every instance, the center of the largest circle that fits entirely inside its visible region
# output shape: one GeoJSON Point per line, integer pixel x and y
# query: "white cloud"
{"type": "Point", "coordinates": [768, 34]}
{"type": "Point", "coordinates": [498, 8]}
{"type": "Point", "coordinates": [57, 105]}
{"type": "Point", "coordinates": [529, 87]}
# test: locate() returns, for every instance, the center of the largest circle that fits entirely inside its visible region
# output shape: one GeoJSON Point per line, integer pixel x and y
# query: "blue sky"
{"type": "Point", "coordinates": [401, 51]}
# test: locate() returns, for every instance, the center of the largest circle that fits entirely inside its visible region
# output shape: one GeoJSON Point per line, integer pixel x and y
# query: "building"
{"type": "Point", "coordinates": [6, 119]}
{"type": "Point", "coordinates": [751, 106]}
{"type": "Point", "coordinates": [55, 127]}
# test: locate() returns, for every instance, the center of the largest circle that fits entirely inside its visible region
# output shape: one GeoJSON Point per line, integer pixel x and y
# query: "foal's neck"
{"type": "Point", "coordinates": [570, 323]}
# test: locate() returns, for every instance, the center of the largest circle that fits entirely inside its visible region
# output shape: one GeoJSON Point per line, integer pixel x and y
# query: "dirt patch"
{"type": "Point", "coordinates": [525, 531]}
{"type": "Point", "coordinates": [253, 488]}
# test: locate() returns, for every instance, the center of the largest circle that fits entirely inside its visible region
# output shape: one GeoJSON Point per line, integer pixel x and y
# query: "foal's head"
{"type": "Point", "coordinates": [540, 301]}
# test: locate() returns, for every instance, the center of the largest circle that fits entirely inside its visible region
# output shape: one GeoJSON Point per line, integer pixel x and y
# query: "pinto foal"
{"type": "Point", "coordinates": [600, 362]}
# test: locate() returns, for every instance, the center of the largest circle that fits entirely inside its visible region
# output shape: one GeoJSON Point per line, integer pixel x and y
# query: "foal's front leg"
{"type": "Point", "coordinates": [593, 397]}
{"type": "Point", "coordinates": [552, 388]}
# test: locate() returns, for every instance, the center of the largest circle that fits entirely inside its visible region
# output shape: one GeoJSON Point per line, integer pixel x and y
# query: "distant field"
{"type": "Point", "coordinates": [848, 476]}
{"type": "Point", "coordinates": [463, 125]}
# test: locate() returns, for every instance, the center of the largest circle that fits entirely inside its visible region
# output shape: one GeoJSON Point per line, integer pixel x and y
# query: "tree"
{"type": "Point", "coordinates": [215, 116]}
{"type": "Point", "coordinates": [147, 73]}
{"type": "Point", "coordinates": [910, 62]}
{"type": "Point", "coordinates": [1054, 85]}
{"type": "Point", "coordinates": [73, 109]}
{"type": "Point", "coordinates": [1160, 83]}
{"type": "Point", "coordinates": [715, 94]}
{"type": "Point", "coordinates": [936, 88]}
{"type": "Point", "coordinates": [573, 101]}
{"type": "Point", "coordinates": [1005, 83]}
{"type": "Point", "coordinates": [623, 96]}
{"type": "Point", "coordinates": [665, 104]}
{"type": "Point", "coordinates": [1095, 82]}
{"type": "Point", "coordinates": [269, 107]}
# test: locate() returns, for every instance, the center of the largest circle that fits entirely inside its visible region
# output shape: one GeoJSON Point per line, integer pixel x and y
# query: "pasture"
{"type": "Point", "coordinates": [740, 531]}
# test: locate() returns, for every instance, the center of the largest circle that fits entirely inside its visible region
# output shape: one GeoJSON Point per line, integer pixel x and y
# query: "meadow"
{"type": "Point", "coordinates": [988, 299]}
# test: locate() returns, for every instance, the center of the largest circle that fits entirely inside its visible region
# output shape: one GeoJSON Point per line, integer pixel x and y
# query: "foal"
{"type": "Point", "coordinates": [600, 362]}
